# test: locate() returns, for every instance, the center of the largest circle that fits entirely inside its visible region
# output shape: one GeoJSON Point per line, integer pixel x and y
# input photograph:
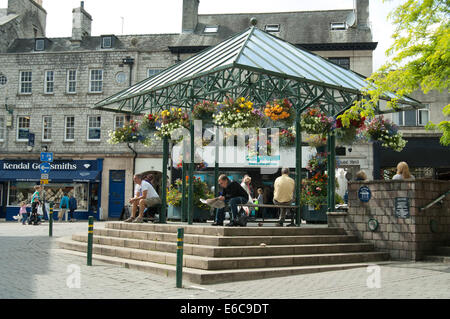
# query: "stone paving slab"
{"type": "Point", "coordinates": [32, 266]}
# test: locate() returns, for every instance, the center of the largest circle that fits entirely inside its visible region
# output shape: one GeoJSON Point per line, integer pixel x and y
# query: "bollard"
{"type": "Point", "coordinates": [50, 222]}
{"type": "Point", "coordinates": [180, 257]}
{"type": "Point", "coordinates": [90, 240]}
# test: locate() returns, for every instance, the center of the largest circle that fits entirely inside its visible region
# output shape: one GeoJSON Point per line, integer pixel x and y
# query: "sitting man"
{"type": "Point", "coordinates": [284, 194]}
{"type": "Point", "coordinates": [233, 194]}
{"type": "Point", "coordinates": [145, 196]}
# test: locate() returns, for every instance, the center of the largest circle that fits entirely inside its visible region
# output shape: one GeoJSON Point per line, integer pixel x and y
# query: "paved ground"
{"type": "Point", "coordinates": [32, 266]}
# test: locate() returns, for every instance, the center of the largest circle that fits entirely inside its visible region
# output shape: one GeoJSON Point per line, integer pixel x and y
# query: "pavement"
{"type": "Point", "coordinates": [33, 267]}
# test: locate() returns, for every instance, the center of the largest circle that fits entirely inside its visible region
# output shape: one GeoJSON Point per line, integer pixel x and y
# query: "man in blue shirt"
{"type": "Point", "coordinates": [63, 206]}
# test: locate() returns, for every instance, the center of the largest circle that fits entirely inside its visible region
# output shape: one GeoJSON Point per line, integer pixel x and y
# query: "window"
{"type": "Point", "coordinates": [94, 128]}
{"type": "Point", "coordinates": [71, 81]}
{"type": "Point", "coordinates": [96, 81]}
{"type": "Point", "coordinates": [25, 82]}
{"type": "Point", "coordinates": [69, 129]}
{"type": "Point", "coordinates": [411, 117]}
{"type": "Point", "coordinates": [211, 29]}
{"type": "Point", "coordinates": [47, 128]}
{"type": "Point", "coordinates": [106, 42]}
{"type": "Point", "coordinates": [23, 128]}
{"type": "Point", "coordinates": [344, 62]}
{"type": "Point", "coordinates": [272, 28]}
{"type": "Point", "coordinates": [49, 82]}
{"type": "Point", "coordinates": [39, 45]}
{"type": "Point", "coordinates": [2, 129]}
{"type": "Point", "coordinates": [338, 26]}
{"type": "Point", "coordinates": [119, 121]}
{"type": "Point", "coordinates": [152, 72]}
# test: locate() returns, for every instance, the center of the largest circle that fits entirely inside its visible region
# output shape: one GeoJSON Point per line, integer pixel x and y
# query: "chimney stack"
{"type": "Point", "coordinates": [362, 14]}
{"type": "Point", "coordinates": [81, 23]}
{"type": "Point", "coordinates": [190, 15]}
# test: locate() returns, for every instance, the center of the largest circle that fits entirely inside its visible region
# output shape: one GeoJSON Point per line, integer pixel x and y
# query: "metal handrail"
{"type": "Point", "coordinates": [435, 201]}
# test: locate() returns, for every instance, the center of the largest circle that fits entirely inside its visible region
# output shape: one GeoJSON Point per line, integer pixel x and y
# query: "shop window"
{"type": "Point", "coordinates": [49, 82]}
{"type": "Point", "coordinates": [71, 81]}
{"type": "Point", "coordinates": [47, 128]}
{"type": "Point", "coordinates": [94, 128]}
{"type": "Point", "coordinates": [96, 81]}
{"type": "Point", "coordinates": [25, 82]}
{"type": "Point", "coordinates": [2, 129]}
{"type": "Point", "coordinates": [23, 128]}
{"type": "Point", "coordinates": [23, 191]}
{"type": "Point", "coordinates": [69, 129]}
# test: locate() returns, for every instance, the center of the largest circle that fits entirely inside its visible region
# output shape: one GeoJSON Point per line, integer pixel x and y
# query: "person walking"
{"type": "Point", "coordinates": [72, 207]}
{"type": "Point", "coordinates": [245, 184]}
{"type": "Point", "coordinates": [284, 194]}
{"type": "Point", "coordinates": [403, 172]}
{"type": "Point", "coordinates": [23, 212]}
{"type": "Point", "coordinates": [145, 196]}
{"type": "Point", "coordinates": [63, 206]}
{"type": "Point", "coordinates": [233, 195]}
{"type": "Point", "coordinates": [35, 202]}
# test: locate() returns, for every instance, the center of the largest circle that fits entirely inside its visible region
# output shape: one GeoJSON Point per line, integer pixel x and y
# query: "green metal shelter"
{"type": "Point", "coordinates": [253, 64]}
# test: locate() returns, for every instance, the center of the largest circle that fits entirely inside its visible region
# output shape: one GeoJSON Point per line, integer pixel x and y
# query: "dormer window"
{"type": "Point", "coordinates": [338, 26]}
{"type": "Point", "coordinates": [106, 42]}
{"type": "Point", "coordinates": [39, 45]}
{"type": "Point", "coordinates": [272, 28]}
{"type": "Point", "coordinates": [211, 29]}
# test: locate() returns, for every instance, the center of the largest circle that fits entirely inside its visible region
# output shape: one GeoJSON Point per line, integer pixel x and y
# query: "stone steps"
{"type": "Point", "coordinates": [228, 240]}
{"type": "Point", "coordinates": [204, 277]}
{"type": "Point", "coordinates": [230, 251]}
{"type": "Point", "coordinates": [220, 254]}
{"type": "Point", "coordinates": [224, 263]}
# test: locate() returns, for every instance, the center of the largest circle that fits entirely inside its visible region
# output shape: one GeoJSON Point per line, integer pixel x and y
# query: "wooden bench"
{"type": "Point", "coordinates": [269, 206]}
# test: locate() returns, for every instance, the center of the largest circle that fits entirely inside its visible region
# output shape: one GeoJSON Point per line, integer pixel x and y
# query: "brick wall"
{"type": "Point", "coordinates": [404, 238]}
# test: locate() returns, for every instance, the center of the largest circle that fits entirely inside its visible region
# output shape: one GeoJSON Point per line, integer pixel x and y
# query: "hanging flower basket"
{"type": "Point", "coordinates": [169, 121]}
{"type": "Point", "coordinates": [238, 113]}
{"type": "Point", "coordinates": [129, 133]}
{"type": "Point", "coordinates": [347, 133]}
{"type": "Point", "coordinates": [383, 130]}
{"type": "Point", "coordinates": [314, 121]}
{"type": "Point", "coordinates": [204, 111]}
{"type": "Point", "coordinates": [314, 190]}
{"type": "Point", "coordinates": [280, 113]}
{"type": "Point", "coordinates": [148, 123]}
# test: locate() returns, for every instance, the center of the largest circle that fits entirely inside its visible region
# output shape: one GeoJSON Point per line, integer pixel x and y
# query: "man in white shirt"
{"type": "Point", "coordinates": [145, 196]}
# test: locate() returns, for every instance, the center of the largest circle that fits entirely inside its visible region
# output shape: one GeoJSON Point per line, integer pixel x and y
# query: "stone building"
{"type": "Point", "coordinates": [49, 85]}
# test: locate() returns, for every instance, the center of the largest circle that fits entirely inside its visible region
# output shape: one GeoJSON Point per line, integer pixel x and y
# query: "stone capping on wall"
{"type": "Point", "coordinates": [404, 238]}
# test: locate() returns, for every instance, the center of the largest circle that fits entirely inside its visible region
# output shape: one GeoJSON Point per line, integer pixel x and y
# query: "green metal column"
{"type": "Point", "coordinates": [90, 240]}
{"type": "Point", "coordinates": [331, 169]}
{"type": "Point", "coordinates": [298, 167]}
{"type": "Point", "coordinates": [183, 193]}
{"type": "Point", "coordinates": [216, 164]}
{"type": "Point", "coordinates": [50, 221]}
{"type": "Point", "coordinates": [179, 273]}
{"type": "Point", "coordinates": [163, 214]}
{"type": "Point", "coordinates": [191, 176]}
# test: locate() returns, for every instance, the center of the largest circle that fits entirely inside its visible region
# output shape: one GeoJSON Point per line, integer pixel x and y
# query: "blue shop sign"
{"type": "Point", "coordinates": [70, 170]}
{"type": "Point", "coordinates": [364, 194]}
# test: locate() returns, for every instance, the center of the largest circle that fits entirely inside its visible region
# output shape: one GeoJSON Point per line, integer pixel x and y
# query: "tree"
{"type": "Point", "coordinates": [419, 59]}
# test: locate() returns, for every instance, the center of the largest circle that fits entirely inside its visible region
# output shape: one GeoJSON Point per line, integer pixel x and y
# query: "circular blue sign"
{"type": "Point", "coordinates": [45, 168]}
{"type": "Point", "coordinates": [364, 194]}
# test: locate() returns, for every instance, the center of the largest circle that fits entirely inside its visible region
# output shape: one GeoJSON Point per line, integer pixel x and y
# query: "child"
{"type": "Point", "coordinates": [23, 212]}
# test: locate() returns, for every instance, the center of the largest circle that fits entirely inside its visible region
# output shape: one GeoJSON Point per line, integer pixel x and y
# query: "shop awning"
{"type": "Point", "coordinates": [54, 176]}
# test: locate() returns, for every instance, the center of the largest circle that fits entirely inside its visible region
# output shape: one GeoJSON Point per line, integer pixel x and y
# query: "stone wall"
{"type": "Point", "coordinates": [404, 238]}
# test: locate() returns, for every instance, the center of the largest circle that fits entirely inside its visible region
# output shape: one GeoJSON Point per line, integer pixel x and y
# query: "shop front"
{"type": "Point", "coordinates": [78, 178]}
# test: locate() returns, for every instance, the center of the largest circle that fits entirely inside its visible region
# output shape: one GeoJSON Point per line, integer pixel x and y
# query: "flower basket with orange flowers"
{"type": "Point", "coordinates": [280, 113]}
